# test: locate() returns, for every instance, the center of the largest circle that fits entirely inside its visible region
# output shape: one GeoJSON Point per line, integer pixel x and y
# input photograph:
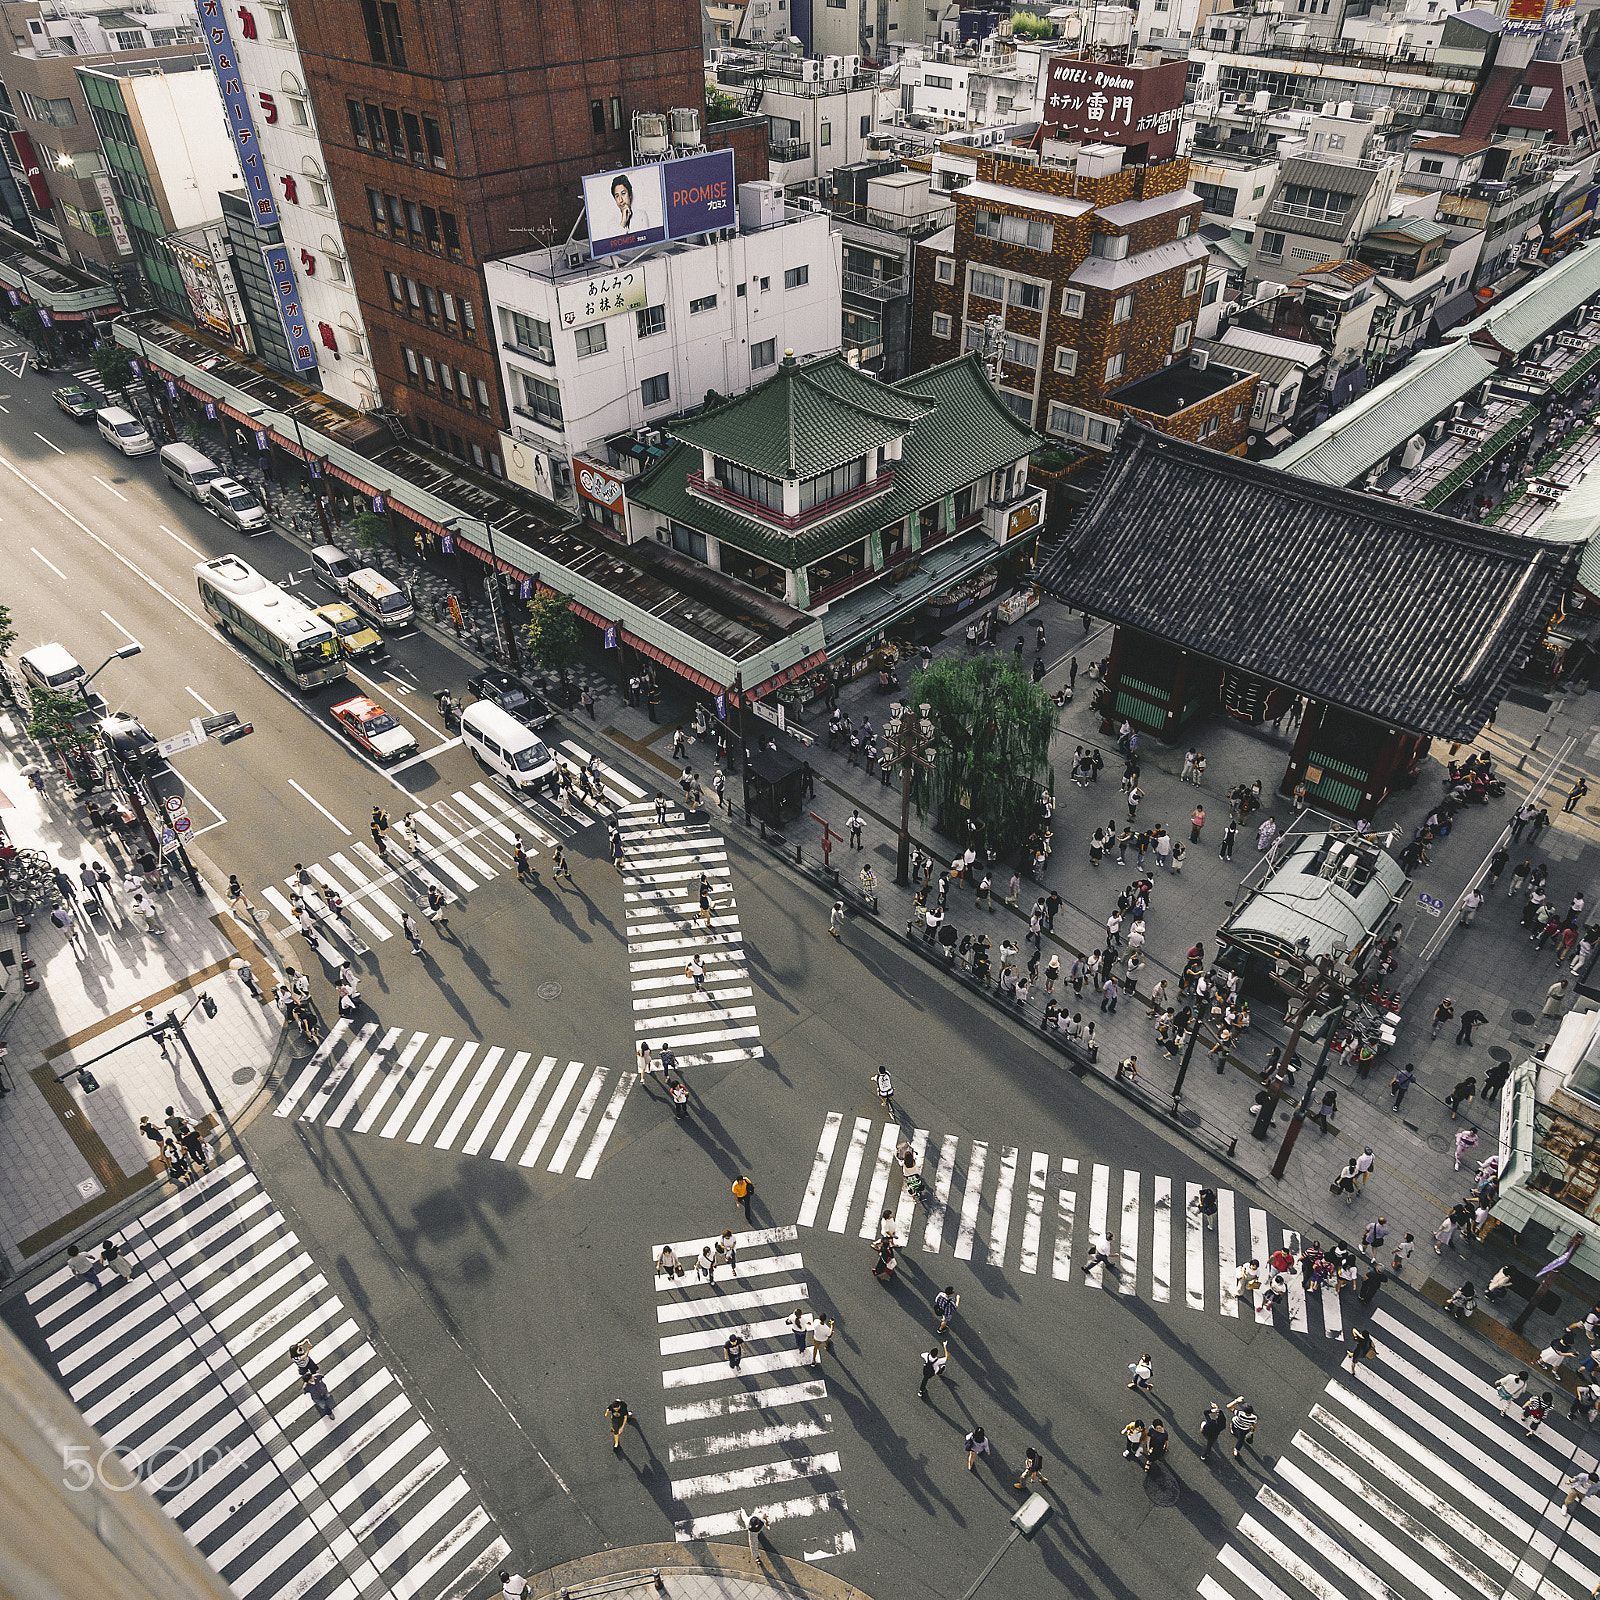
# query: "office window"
{"type": "Point", "coordinates": [1191, 281]}
{"type": "Point", "coordinates": [706, 302]}
{"type": "Point", "coordinates": [358, 125]}
{"type": "Point", "coordinates": [530, 333]}
{"type": "Point", "coordinates": [795, 277]}
{"type": "Point", "coordinates": [1238, 411]}
{"type": "Point", "coordinates": [1072, 302]}
{"type": "Point", "coordinates": [317, 194]}
{"type": "Point", "coordinates": [456, 448]}
{"type": "Point", "coordinates": [825, 133]}
{"type": "Point", "coordinates": [427, 370]}
{"type": "Point", "coordinates": [483, 396]}
{"type": "Point", "coordinates": [591, 341]}
{"type": "Point", "coordinates": [656, 391]}
{"type": "Point", "coordinates": [764, 354]}
{"type": "Point", "coordinates": [374, 26]}
{"type": "Point", "coordinates": [597, 116]}
{"type": "Point", "coordinates": [391, 123]}
{"type": "Point", "coordinates": [1260, 190]}
{"type": "Point", "coordinates": [397, 214]}
{"type": "Point", "coordinates": [397, 292]}
{"type": "Point", "coordinates": [477, 456]}
{"type": "Point", "coordinates": [430, 226]}
{"type": "Point", "coordinates": [414, 137]}
{"type": "Point", "coordinates": [941, 325]}
{"type": "Point", "coordinates": [1030, 296]}
{"type": "Point", "coordinates": [1122, 309]}
{"type": "Point", "coordinates": [1019, 405]}
{"type": "Point", "coordinates": [375, 128]}
{"type": "Point", "coordinates": [431, 301]}
{"type": "Point", "coordinates": [277, 23]}
{"type": "Point", "coordinates": [988, 286]}
{"type": "Point", "coordinates": [466, 317]}
{"type": "Point", "coordinates": [1180, 337]}
{"type": "Point", "coordinates": [413, 294]}
{"type": "Point", "coordinates": [452, 243]}
{"type": "Point", "coordinates": [1066, 359]}
{"type": "Point", "coordinates": [748, 485]}
{"type": "Point", "coordinates": [944, 270]}
{"type": "Point", "coordinates": [542, 400]}
{"type": "Point", "coordinates": [1114, 367]}
{"type": "Point", "coordinates": [380, 217]}
{"type": "Point", "coordinates": [764, 285]}
{"type": "Point", "coordinates": [651, 320]}
{"type": "Point", "coordinates": [299, 111]}
{"type": "Point", "coordinates": [447, 379]}
{"type": "Point", "coordinates": [1020, 352]}
{"type": "Point", "coordinates": [450, 311]}
{"type": "Point", "coordinates": [411, 359]}
{"type": "Point", "coordinates": [434, 140]}
{"type": "Point", "coordinates": [336, 268]}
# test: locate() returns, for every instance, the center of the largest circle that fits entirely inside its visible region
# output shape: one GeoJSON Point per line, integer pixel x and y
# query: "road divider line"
{"type": "Point", "coordinates": [52, 566]}
{"type": "Point", "coordinates": [57, 448]}
{"type": "Point", "coordinates": [184, 542]}
{"type": "Point", "coordinates": [120, 629]}
{"type": "Point", "coordinates": [97, 478]}
{"type": "Point", "coordinates": [202, 699]}
{"type": "Point", "coordinates": [405, 711]}
{"type": "Point", "coordinates": [322, 808]}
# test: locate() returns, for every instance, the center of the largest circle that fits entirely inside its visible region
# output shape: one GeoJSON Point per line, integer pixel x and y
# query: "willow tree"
{"type": "Point", "coordinates": [993, 726]}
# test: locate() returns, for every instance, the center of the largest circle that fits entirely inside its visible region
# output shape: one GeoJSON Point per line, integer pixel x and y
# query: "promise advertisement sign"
{"type": "Point", "coordinates": [637, 206]}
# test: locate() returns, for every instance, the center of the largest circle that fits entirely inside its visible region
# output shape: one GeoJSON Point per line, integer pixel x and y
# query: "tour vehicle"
{"type": "Point", "coordinates": [285, 632]}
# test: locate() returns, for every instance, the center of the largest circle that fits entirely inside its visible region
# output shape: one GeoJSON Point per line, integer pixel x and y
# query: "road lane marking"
{"type": "Point", "coordinates": [57, 448]}
{"type": "Point", "coordinates": [184, 542]}
{"type": "Point", "coordinates": [322, 808]}
{"type": "Point", "coordinates": [421, 756]}
{"type": "Point", "coordinates": [1000, 1222]}
{"type": "Point", "coordinates": [879, 1187]}
{"type": "Point", "coordinates": [203, 701]}
{"type": "Point", "coordinates": [405, 711]}
{"type": "Point", "coordinates": [839, 1218]}
{"type": "Point", "coordinates": [97, 478]}
{"type": "Point", "coordinates": [52, 566]}
{"type": "Point", "coordinates": [971, 1199]}
{"type": "Point", "coordinates": [1066, 1213]}
{"type": "Point", "coordinates": [120, 629]}
{"type": "Point", "coordinates": [1129, 1240]}
{"type": "Point", "coordinates": [1161, 1243]}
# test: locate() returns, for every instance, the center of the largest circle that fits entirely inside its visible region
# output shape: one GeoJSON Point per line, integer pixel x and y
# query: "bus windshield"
{"type": "Point", "coordinates": [318, 647]}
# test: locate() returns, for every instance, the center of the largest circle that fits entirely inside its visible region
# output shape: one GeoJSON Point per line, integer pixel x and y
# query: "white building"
{"type": "Point", "coordinates": [591, 352]}
{"type": "Point", "coordinates": [269, 64]}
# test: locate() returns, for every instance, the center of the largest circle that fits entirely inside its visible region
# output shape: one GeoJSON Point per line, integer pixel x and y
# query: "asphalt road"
{"type": "Point", "coordinates": [518, 1299]}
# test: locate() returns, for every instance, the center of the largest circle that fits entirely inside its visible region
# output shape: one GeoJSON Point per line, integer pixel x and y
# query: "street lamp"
{"type": "Point", "coordinates": [913, 742]}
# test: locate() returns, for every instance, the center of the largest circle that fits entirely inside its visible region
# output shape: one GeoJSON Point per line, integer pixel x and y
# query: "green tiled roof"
{"type": "Point", "coordinates": [962, 432]}
{"type": "Point", "coordinates": [1419, 229]}
{"type": "Point", "coordinates": [804, 420]}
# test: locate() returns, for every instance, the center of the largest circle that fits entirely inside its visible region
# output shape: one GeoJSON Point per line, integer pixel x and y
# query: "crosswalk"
{"type": "Point", "coordinates": [769, 1448]}
{"type": "Point", "coordinates": [1006, 1205]}
{"type": "Point", "coordinates": [461, 843]}
{"type": "Point", "coordinates": [1405, 1480]}
{"type": "Point", "coordinates": [662, 867]}
{"type": "Point", "coordinates": [183, 1371]}
{"type": "Point", "coordinates": [449, 1094]}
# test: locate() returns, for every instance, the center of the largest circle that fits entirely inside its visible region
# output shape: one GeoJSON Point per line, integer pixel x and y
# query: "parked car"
{"type": "Point", "coordinates": [513, 696]}
{"type": "Point", "coordinates": [236, 504]}
{"type": "Point", "coordinates": [74, 402]}
{"type": "Point", "coordinates": [133, 743]}
{"type": "Point", "coordinates": [371, 727]}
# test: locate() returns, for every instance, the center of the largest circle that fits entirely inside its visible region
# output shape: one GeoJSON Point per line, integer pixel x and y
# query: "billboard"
{"type": "Point", "coordinates": [1103, 103]}
{"type": "Point", "coordinates": [595, 483]}
{"type": "Point", "coordinates": [236, 104]}
{"type": "Point", "coordinates": [602, 294]}
{"type": "Point", "coordinates": [632, 207]}
{"type": "Point", "coordinates": [204, 291]}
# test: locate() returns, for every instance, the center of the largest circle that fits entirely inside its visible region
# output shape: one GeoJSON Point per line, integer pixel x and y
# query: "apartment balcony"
{"type": "Point", "coordinates": [716, 493]}
{"type": "Point", "coordinates": [874, 288]}
{"type": "Point", "coordinates": [789, 149]}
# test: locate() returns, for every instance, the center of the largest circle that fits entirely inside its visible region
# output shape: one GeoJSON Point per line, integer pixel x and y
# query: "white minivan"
{"type": "Point", "coordinates": [124, 430]}
{"type": "Point", "coordinates": [188, 470]}
{"type": "Point", "coordinates": [505, 747]}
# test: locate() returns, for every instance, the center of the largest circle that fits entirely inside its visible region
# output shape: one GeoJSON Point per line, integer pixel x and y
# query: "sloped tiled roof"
{"type": "Point", "coordinates": [805, 419]}
{"type": "Point", "coordinates": [1533, 310]}
{"type": "Point", "coordinates": [963, 432]}
{"type": "Point", "coordinates": [1418, 229]}
{"type": "Point", "coordinates": [1349, 444]}
{"type": "Point", "coordinates": [1316, 588]}
{"type": "Point", "coordinates": [1340, 177]}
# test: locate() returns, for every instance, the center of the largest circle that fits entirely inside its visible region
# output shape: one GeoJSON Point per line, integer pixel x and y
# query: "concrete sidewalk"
{"type": "Point", "coordinates": [67, 1157]}
{"type": "Point", "coordinates": [694, 1571]}
{"type": "Point", "coordinates": [1491, 966]}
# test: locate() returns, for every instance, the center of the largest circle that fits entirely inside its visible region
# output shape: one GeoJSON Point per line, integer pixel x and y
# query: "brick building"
{"type": "Point", "coordinates": [447, 145]}
{"type": "Point", "coordinates": [1093, 262]}
{"type": "Point", "coordinates": [1198, 399]}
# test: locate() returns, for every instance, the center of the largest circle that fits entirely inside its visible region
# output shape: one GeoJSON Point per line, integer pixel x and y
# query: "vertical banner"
{"type": "Point", "coordinates": [290, 312]}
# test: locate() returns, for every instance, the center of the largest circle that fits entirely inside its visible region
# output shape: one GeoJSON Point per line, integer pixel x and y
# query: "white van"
{"type": "Point", "coordinates": [124, 430]}
{"type": "Point", "coordinates": [331, 567]}
{"type": "Point", "coordinates": [382, 603]}
{"type": "Point", "coordinates": [504, 746]}
{"type": "Point", "coordinates": [188, 470]}
{"type": "Point", "coordinates": [50, 666]}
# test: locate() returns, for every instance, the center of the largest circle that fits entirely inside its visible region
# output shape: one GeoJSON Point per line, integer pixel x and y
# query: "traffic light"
{"type": "Point", "coordinates": [208, 1005]}
{"type": "Point", "coordinates": [236, 733]}
{"type": "Point", "coordinates": [87, 1081]}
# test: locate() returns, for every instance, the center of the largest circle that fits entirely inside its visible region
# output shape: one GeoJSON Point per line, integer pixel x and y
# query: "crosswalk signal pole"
{"type": "Point", "coordinates": [171, 1021]}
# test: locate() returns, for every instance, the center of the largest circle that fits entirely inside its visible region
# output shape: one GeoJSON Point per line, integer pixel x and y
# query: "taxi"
{"type": "Point", "coordinates": [371, 727]}
{"type": "Point", "coordinates": [357, 639]}
{"type": "Point", "coordinates": [74, 402]}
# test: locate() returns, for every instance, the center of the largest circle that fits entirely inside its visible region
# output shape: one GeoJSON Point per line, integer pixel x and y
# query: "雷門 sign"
{"type": "Point", "coordinates": [1104, 103]}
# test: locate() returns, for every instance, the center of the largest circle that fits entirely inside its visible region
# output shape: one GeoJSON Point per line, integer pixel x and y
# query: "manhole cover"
{"type": "Point", "coordinates": [1439, 1142]}
{"type": "Point", "coordinates": [549, 991]}
{"type": "Point", "coordinates": [1160, 1487]}
{"type": "Point", "coordinates": [1522, 1018]}
{"type": "Point", "coordinates": [1498, 1054]}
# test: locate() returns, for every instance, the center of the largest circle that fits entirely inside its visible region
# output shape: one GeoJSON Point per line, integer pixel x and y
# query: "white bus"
{"type": "Point", "coordinates": [282, 630]}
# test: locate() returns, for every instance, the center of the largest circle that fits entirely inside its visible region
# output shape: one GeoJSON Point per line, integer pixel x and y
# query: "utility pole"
{"type": "Point", "coordinates": [1309, 998]}
{"type": "Point", "coordinates": [908, 736]}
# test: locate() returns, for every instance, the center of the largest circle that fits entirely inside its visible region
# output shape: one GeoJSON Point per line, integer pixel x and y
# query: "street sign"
{"type": "Point", "coordinates": [175, 802]}
{"type": "Point", "coordinates": [169, 840]}
{"type": "Point", "coordinates": [178, 743]}
{"type": "Point", "coordinates": [1434, 907]}
{"type": "Point", "coordinates": [181, 824]}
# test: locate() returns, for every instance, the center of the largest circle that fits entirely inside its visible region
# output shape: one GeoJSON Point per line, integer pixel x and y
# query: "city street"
{"type": "Point", "coordinates": [473, 1172]}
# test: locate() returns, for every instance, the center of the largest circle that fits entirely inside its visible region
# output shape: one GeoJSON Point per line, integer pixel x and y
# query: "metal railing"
{"type": "Point", "coordinates": [789, 149]}
{"type": "Point", "coordinates": [875, 288]}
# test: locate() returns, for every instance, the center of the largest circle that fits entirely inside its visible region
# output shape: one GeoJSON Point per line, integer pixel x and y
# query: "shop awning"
{"type": "Point", "coordinates": [1279, 437]}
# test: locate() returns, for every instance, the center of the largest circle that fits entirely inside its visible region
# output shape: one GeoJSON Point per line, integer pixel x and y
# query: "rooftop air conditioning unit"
{"type": "Point", "coordinates": [830, 67]}
{"type": "Point", "coordinates": [1263, 100]}
{"type": "Point", "coordinates": [1436, 432]}
{"type": "Point", "coordinates": [1200, 360]}
{"type": "Point", "coordinates": [575, 259]}
{"type": "Point", "coordinates": [852, 65]}
{"type": "Point", "coordinates": [809, 69]}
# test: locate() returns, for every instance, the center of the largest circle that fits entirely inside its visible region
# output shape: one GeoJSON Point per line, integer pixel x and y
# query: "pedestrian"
{"type": "Point", "coordinates": [1326, 1108]}
{"type": "Point", "coordinates": [408, 925]}
{"type": "Point", "coordinates": [836, 919]}
{"type": "Point", "coordinates": [1535, 1410]}
{"type": "Point", "coordinates": [1469, 1021]}
{"type": "Point", "coordinates": [378, 826]}
{"type": "Point", "coordinates": [1442, 1014]}
{"type": "Point", "coordinates": [1108, 996]}
{"type": "Point", "coordinates": [1372, 1237]}
{"type": "Point", "coordinates": [315, 1385]}
{"type": "Point", "coordinates": [83, 1266]}
{"type": "Point", "coordinates": [1031, 1463]}
{"type": "Point", "coordinates": [617, 1415]}
{"type": "Point", "coordinates": [1362, 1348]}
{"type": "Point", "coordinates": [945, 1303]}
{"type": "Point", "coordinates": [753, 1523]}
{"type": "Point", "coordinates": [1554, 998]}
{"type": "Point", "coordinates": [1575, 794]}
{"type": "Point", "coordinates": [667, 1263]}
{"type": "Point", "coordinates": [1133, 1436]}
{"type": "Point", "coordinates": [1197, 820]}
{"type": "Point", "coordinates": [1444, 1236]}
{"type": "Point", "coordinates": [1211, 1424]}
{"type": "Point", "coordinates": [1511, 1389]}
{"type": "Point", "coordinates": [977, 1443]}
{"type": "Point", "coordinates": [1400, 1082]}
{"type": "Point", "coordinates": [1228, 835]}
{"type": "Point", "coordinates": [934, 1362]}
{"type": "Point", "coordinates": [1583, 1484]}
{"type": "Point", "coordinates": [798, 1322]}
{"type": "Point", "coordinates": [1519, 877]}
{"type": "Point", "coordinates": [1370, 1285]}
{"type": "Point", "coordinates": [733, 1349]}
{"type": "Point", "coordinates": [1102, 1251]}
{"type": "Point", "coordinates": [821, 1339]}
{"type": "Point", "coordinates": [743, 1188]}
{"type": "Point", "coordinates": [1494, 1080]}
{"type": "Point", "coordinates": [1465, 1140]}
{"type": "Point", "coordinates": [855, 822]}
{"type": "Point", "coordinates": [113, 1260]}
{"type": "Point", "coordinates": [1345, 1183]}
{"type": "Point", "coordinates": [1143, 1371]}
{"type": "Point", "coordinates": [1241, 1423]}
{"type": "Point", "coordinates": [1156, 1440]}
{"type": "Point", "coordinates": [1364, 1164]}
{"type": "Point", "coordinates": [726, 1251]}
{"type": "Point", "coordinates": [1464, 1093]}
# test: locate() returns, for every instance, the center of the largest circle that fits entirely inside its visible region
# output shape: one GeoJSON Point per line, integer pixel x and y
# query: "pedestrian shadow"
{"type": "Point", "coordinates": [479, 968]}
{"type": "Point", "coordinates": [560, 913]}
